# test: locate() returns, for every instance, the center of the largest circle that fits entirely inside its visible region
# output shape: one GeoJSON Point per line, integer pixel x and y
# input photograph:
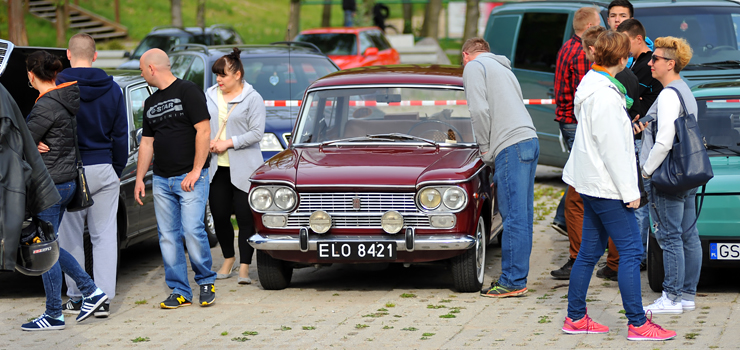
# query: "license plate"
{"type": "Point", "coordinates": [724, 251]}
{"type": "Point", "coordinates": [357, 250]}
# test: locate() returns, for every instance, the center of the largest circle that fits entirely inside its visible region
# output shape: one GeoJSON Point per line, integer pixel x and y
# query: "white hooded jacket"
{"type": "Point", "coordinates": [602, 162]}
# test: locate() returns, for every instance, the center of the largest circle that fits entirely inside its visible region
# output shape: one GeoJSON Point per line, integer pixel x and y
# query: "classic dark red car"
{"type": "Point", "coordinates": [383, 167]}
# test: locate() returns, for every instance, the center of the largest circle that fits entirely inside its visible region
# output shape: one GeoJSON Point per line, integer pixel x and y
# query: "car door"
{"type": "Point", "coordinates": [386, 54]}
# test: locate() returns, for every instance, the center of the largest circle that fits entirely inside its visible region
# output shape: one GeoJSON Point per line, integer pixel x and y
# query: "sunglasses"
{"type": "Point", "coordinates": [656, 57]}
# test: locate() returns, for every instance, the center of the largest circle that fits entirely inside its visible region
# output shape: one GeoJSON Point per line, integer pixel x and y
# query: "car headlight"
{"type": "Point", "coordinates": [430, 198]}
{"type": "Point", "coordinates": [285, 198]}
{"type": "Point", "coordinates": [260, 199]}
{"type": "Point", "coordinates": [454, 198]}
{"type": "Point", "coordinates": [270, 143]}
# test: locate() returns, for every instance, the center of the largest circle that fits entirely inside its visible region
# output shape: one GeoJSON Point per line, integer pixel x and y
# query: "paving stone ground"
{"type": "Point", "coordinates": [369, 307]}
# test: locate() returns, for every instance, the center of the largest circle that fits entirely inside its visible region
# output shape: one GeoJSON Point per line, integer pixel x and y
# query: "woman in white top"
{"type": "Point", "coordinates": [237, 124]}
{"type": "Point", "coordinates": [602, 168]}
{"type": "Point", "coordinates": [674, 214]}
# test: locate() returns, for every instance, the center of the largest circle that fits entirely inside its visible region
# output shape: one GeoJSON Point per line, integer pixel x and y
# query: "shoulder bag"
{"type": "Point", "coordinates": [82, 198]}
{"type": "Point", "coordinates": [687, 164]}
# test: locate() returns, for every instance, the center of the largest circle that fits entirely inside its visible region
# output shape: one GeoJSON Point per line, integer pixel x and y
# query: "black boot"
{"type": "Point", "coordinates": [563, 273]}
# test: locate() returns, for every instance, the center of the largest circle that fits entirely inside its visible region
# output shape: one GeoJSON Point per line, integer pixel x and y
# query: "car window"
{"type": "Point", "coordinates": [196, 73]}
{"type": "Point", "coordinates": [365, 42]}
{"type": "Point", "coordinates": [712, 32]}
{"type": "Point", "coordinates": [179, 64]}
{"type": "Point", "coordinates": [331, 43]}
{"type": "Point", "coordinates": [378, 40]}
{"type": "Point", "coordinates": [278, 78]}
{"type": "Point", "coordinates": [540, 38]}
{"type": "Point", "coordinates": [136, 98]}
{"type": "Point", "coordinates": [160, 42]}
{"type": "Point", "coordinates": [502, 44]}
{"type": "Point", "coordinates": [719, 122]}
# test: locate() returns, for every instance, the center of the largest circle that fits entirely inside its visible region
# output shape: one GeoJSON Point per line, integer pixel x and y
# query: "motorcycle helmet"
{"type": "Point", "coordinates": [38, 250]}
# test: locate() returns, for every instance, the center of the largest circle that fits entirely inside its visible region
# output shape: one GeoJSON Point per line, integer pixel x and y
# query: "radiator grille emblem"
{"type": "Point", "coordinates": [356, 203]}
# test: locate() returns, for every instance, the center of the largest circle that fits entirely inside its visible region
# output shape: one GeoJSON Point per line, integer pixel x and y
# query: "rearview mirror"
{"type": "Point", "coordinates": [371, 51]}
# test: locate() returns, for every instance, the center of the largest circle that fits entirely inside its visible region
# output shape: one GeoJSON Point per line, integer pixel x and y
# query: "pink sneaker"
{"type": "Point", "coordinates": [583, 326]}
{"type": "Point", "coordinates": [649, 331]}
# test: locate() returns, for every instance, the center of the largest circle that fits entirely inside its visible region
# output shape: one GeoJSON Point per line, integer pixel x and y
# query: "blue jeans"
{"type": "Point", "coordinates": [348, 18]}
{"type": "Point", "coordinates": [602, 219]}
{"type": "Point", "coordinates": [569, 135]}
{"type": "Point", "coordinates": [676, 233]}
{"type": "Point", "coordinates": [53, 278]}
{"type": "Point", "coordinates": [643, 214]}
{"type": "Point", "coordinates": [515, 168]}
{"type": "Point", "coordinates": [180, 216]}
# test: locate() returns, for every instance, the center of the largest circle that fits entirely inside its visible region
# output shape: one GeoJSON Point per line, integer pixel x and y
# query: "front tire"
{"type": "Point", "coordinates": [274, 274]}
{"type": "Point", "coordinates": [655, 270]}
{"type": "Point", "coordinates": [468, 269]}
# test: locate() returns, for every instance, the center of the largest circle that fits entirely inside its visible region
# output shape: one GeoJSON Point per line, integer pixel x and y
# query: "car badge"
{"type": "Point", "coordinates": [356, 203]}
{"type": "Point", "coordinates": [274, 79]}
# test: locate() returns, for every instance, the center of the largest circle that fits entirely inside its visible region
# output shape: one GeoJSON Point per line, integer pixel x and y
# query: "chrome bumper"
{"type": "Point", "coordinates": [431, 242]}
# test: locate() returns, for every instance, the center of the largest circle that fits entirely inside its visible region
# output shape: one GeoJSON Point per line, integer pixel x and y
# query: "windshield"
{"type": "Point", "coordinates": [281, 79]}
{"type": "Point", "coordinates": [332, 44]}
{"type": "Point", "coordinates": [712, 32]}
{"type": "Point", "coordinates": [435, 114]}
{"type": "Point", "coordinates": [719, 121]}
{"type": "Point", "coordinates": [160, 42]}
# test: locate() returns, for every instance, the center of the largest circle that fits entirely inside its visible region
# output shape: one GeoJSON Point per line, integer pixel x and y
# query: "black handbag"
{"type": "Point", "coordinates": [687, 164]}
{"type": "Point", "coordinates": [82, 198]}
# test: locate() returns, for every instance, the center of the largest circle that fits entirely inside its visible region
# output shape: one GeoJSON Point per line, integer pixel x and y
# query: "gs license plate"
{"type": "Point", "coordinates": [724, 251]}
{"type": "Point", "coordinates": [357, 250]}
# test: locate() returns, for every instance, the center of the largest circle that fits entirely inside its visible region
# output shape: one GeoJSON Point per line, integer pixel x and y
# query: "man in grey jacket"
{"type": "Point", "coordinates": [508, 143]}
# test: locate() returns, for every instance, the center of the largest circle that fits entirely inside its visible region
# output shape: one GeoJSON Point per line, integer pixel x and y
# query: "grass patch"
{"type": "Point", "coordinates": [239, 339]}
{"type": "Point", "coordinates": [140, 339]}
{"type": "Point", "coordinates": [387, 327]}
{"type": "Point", "coordinates": [545, 296]}
{"type": "Point", "coordinates": [140, 302]}
{"type": "Point", "coordinates": [690, 335]}
{"type": "Point", "coordinates": [430, 306]}
{"type": "Point", "coordinates": [544, 319]}
{"type": "Point", "coordinates": [428, 334]}
{"type": "Point", "coordinates": [335, 295]}
{"type": "Point", "coordinates": [410, 329]}
{"type": "Point", "coordinates": [308, 328]}
{"type": "Point", "coordinates": [445, 301]}
{"type": "Point", "coordinates": [382, 309]}
{"type": "Point", "coordinates": [283, 328]}
{"type": "Point", "coordinates": [361, 326]}
{"type": "Point", "coordinates": [447, 316]}
{"type": "Point", "coordinates": [622, 311]}
{"type": "Point", "coordinates": [376, 314]}
{"type": "Point", "coordinates": [224, 333]}
{"type": "Point", "coordinates": [389, 304]}
{"type": "Point", "coordinates": [250, 333]}
{"type": "Point", "coordinates": [408, 295]}
{"type": "Point", "coordinates": [455, 310]}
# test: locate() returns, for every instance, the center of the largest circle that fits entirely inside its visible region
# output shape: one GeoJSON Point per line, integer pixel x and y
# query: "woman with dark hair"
{"type": "Point", "coordinates": [52, 124]}
{"type": "Point", "coordinates": [603, 169]}
{"type": "Point", "coordinates": [237, 124]}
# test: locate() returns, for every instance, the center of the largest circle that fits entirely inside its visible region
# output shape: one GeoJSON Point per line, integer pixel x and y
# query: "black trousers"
{"type": "Point", "coordinates": [224, 200]}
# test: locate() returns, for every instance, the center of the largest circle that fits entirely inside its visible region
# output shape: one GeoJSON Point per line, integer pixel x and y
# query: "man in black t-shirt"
{"type": "Point", "coordinates": [177, 131]}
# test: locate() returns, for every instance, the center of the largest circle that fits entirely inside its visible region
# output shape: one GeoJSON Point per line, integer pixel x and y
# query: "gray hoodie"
{"type": "Point", "coordinates": [496, 106]}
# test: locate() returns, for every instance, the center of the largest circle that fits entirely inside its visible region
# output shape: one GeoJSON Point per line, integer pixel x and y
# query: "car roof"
{"type": "Point", "coordinates": [345, 30]}
{"type": "Point", "coordinates": [605, 4]}
{"type": "Point", "coordinates": [720, 89]}
{"type": "Point", "coordinates": [125, 78]}
{"type": "Point", "coordinates": [406, 74]}
{"type": "Point", "coordinates": [279, 49]}
{"type": "Point", "coordinates": [175, 31]}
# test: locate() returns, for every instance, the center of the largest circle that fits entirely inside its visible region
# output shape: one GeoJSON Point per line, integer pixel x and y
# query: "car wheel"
{"type": "Point", "coordinates": [210, 229]}
{"type": "Point", "coordinates": [468, 269]}
{"type": "Point", "coordinates": [274, 274]}
{"type": "Point", "coordinates": [655, 271]}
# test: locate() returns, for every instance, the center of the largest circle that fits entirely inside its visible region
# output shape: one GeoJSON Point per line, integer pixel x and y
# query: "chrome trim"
{"type": "Point", "coordinates": [358, 222]}
{"type": "Point", "coordinates": [274, 209]}
{"type": "Point", "coordinates": [445, 209]}
{"type": "Point", "coordinates": [356, 185]}
{"type": "Point", "coordinates": [425, 86]}
{"type": "Point", "coordinates": [448, 182]}
{"type": "Point", "coordinates": [426, 242]}
{"type": "Point", "coordinates": [375, 143]}
{"type": "Point", "coordinates": [6, 55]}
{"type": "Point", "coordinates": [270, 182]}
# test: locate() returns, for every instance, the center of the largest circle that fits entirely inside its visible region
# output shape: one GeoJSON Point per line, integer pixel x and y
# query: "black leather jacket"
{"type": "Point", "coordinates": [52, 121]}
{"type": "Point", "coordinates": [25, 184]}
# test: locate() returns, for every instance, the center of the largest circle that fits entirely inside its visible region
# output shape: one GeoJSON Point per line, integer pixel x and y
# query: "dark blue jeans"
{"type": "Point", "coordinates": [514, 173]}
{"type": "Point", "coordinates": [602, 219]}
{"type": "Point", "coordinates": [569, 135]}
{"type": "Point", "coordinates": [53, 278]}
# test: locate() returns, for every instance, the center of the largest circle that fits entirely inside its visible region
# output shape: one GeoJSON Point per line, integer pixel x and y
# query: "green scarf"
{"type": "Point", "coordinates": [601, 70]}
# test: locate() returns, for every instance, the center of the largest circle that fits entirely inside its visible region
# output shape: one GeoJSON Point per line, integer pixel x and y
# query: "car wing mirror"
{"type": "Point", "coordinates": [139, 133]}
{"type": "Point", "coordinates": [127, 54]}
{"type": "Point", "coordinates": [371, 51]}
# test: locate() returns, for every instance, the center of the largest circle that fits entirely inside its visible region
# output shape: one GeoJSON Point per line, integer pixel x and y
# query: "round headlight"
{"type": "Point", "coordinates": [320, 221]}
{"type": "Point", "coordinates": [261, 199]}
{"type": "Point", "coordinates": [454, 198]}
{"type": "Point", "coordinates": [392, 222]}
{"type": "Point", "coordinates": [429, 198]}
{"type": "Point", "coordinates": [285, 198]}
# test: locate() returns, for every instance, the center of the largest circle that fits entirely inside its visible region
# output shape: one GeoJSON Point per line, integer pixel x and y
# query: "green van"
{"type": "Point", "coordinates": [530, 35]}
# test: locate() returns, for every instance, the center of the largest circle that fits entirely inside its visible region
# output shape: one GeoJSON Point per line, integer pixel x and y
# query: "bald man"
{"type": "Point", "coordinates": [176, 131]}
{"type": "Point", "coordinates": [102, 136]}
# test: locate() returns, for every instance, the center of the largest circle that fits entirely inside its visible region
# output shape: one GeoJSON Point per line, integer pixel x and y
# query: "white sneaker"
{"type": "Point", "coordinates": [663, 305]}
{"type": "Point", "coordinates": [688, 305]}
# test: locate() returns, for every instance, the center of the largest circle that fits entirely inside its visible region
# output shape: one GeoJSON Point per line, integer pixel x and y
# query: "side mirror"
{"type": "Point", "coordinates": [127, 54]}
{"type": "Point", "coordinates": [371, 51]}
{"type": "Point", "coordinates": [139, 133]}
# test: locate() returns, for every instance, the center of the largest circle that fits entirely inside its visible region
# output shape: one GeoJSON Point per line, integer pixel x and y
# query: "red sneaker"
{"type": "Point", "coordinates": [649, 331]}
{"type": "Point", "coordinates": [584, 325]}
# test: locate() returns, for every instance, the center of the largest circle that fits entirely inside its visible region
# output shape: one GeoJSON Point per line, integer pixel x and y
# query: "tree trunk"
{"type": "Point", "coordinates": [294, 20]}
{"type": "Point", "coordinates": [408, 14]}
{"type": "Point", "coordinates": [61, 23]}
{"type": "Point", "coordinates": [17, 23]}
{"type": "Point", "coordinates": [430, 28]}
{"type": "Point", "coordinates": [326, 15]}
{"type": "Point", "coordinates": [200, 16]}
{"type": "Point", "coordinates": [176, 13]}
{"type": "Point", "coordinates": [472, 13]}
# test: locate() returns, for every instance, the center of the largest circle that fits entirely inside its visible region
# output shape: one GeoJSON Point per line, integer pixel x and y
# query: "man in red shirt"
{"type": "Point", "coordinates": [570, 67]}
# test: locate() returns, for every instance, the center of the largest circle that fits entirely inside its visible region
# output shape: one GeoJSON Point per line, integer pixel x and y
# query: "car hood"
{"type": "Point", "coordinates": [130, 64]}
{"type": "Point", "coordinates": [726, 175]}
{"type": "Point", "coordinates": [400, 166]}
{"type": "Point", "coordinates": [280, 120]}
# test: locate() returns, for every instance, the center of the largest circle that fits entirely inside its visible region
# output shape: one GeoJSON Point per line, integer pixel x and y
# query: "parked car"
{"type": "Point", "coordinates": [383, 168]}
{"type": "Point", "coordinates": [280, 72]}
{"type": "Point", "coordinates": [531, 33]}
{"type": "Point", "coordinates": [136, 223]}
{"type": "Point", "coordinates": [351, 47]}
{"type": "Point", "coordinates": [167, 37]}
{"type": "Point", "coordinates": [719, 220]}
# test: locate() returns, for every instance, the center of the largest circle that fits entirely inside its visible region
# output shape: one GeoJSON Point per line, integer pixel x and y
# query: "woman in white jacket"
{"type": "Point", "coordinates": [602, 168]}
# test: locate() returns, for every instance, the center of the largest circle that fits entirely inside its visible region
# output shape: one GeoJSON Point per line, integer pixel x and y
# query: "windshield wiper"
{"type": "Point", "coordinates": [399, 136]}
{"type": "Point", "coordinates": [351, 139]}
{"type": "Point", "coordinates": [729, 148]}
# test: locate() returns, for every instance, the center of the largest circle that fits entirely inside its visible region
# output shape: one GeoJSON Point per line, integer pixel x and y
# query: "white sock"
{"type": "Point", "coordinates": [98, 291]}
